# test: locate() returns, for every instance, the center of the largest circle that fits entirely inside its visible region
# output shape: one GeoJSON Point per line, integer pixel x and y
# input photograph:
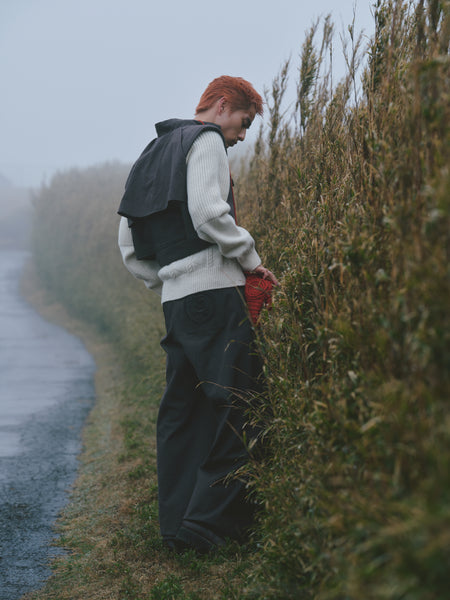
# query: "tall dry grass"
{"type": "Point", "coordinates": [350, 194]}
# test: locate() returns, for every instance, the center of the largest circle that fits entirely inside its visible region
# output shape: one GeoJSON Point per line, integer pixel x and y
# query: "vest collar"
{"type": "Point", "coordinates": [170, 125]}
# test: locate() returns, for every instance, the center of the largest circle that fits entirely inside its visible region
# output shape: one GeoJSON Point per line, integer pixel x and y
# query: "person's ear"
{"type": "Point", "coordinates": [222, 103]}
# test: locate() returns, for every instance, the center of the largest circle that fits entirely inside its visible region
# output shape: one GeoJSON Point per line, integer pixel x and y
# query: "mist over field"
{"type": "Point", "coordinates": [15, 215]}
{"type": "Point", "coordinates": [84, 81]}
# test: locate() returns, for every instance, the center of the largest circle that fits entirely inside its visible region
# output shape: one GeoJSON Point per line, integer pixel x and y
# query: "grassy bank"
{"type": "Point", "coordinates": [110, 526]}
{"type": "Point", "coordinates": [347, 194]}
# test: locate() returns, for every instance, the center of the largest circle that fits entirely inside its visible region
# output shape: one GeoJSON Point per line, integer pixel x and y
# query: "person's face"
{"type": "Point", "coordinates": [234, 124]}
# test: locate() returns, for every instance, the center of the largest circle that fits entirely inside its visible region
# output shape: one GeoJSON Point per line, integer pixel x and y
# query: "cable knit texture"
{"type": "Point", "coordinates": [220, 265]}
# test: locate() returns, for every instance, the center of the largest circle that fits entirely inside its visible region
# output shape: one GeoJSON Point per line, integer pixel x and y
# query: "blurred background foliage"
{"type": "Point", "coordinates": [76, 256]}
{"type": "Point", "coordinates": [347, 193]}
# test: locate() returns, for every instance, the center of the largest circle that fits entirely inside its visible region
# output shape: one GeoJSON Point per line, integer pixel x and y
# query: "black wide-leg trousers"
{"type": "Point", "coordinates": [212, 370]}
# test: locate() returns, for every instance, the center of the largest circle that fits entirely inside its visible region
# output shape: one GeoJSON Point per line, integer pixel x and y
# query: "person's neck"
{"type": "Point", "coordinates": [208, 116]}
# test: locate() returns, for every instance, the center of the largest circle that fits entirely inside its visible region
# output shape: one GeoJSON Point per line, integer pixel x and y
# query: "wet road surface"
{"type": "Point", "coordinates": [46, 392]}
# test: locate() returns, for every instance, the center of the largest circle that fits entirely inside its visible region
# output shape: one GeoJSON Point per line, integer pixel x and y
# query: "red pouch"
{"type": "Point", "coordinates": [258, 293]}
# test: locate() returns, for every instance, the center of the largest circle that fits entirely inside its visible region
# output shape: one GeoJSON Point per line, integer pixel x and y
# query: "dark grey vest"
{"type": "Point", "coordinates": [155, 198]}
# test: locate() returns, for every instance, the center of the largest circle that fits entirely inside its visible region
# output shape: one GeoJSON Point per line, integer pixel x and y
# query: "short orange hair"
{"type": "Point", "coordinates": [238, 93]}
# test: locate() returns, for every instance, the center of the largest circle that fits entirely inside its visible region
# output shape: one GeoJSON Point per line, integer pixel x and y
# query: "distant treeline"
{"type": "Point", "coordinates": [348, 197]}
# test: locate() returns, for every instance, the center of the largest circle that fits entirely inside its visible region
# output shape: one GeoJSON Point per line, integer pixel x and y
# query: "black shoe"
{"type": "Point", "coordinates": [198, 538]}
{"type": "Point", "coordinates": [170, 544]}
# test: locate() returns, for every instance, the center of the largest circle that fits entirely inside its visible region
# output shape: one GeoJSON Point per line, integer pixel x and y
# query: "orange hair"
{"type": "Point", "coordinates": [238, 93]}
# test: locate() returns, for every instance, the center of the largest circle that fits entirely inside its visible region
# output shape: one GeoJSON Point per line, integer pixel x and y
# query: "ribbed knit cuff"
{"type": "Point", "coordinates": [249, 261]}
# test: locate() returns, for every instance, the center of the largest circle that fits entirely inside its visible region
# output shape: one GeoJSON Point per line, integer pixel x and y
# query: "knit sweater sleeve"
{"type": "Point", "coordinates": [208, 181]}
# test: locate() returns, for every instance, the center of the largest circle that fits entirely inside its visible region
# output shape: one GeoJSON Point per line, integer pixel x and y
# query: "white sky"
{"type": "Point", "coordinates": [84, 81]}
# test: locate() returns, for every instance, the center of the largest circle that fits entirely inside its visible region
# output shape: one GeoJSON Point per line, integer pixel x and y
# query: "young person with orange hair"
{"type": "Point", "coordinates": [178, 233]}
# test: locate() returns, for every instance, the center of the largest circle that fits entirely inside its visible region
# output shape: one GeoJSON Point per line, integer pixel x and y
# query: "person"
{"type": "Point", "coordinates": [178, 233]}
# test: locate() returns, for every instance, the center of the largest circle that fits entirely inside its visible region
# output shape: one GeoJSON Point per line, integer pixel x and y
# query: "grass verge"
{"type": "Point", "coordinates": [110, 525]}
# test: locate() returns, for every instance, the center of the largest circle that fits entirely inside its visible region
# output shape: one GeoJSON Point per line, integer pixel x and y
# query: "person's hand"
{"type": "Point", "coordinates": [265, 274]}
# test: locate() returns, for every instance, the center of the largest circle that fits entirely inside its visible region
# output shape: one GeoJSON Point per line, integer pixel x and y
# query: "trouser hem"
{"type": "Point", "coordinates": [197, 537]}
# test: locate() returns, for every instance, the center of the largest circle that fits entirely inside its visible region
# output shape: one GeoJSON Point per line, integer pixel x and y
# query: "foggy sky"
{"type": "Point", "coordinates": [84, 81]}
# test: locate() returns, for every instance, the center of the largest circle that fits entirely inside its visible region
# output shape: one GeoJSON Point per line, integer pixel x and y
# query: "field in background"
{"type": "Point", "coordinates": [348, 197]}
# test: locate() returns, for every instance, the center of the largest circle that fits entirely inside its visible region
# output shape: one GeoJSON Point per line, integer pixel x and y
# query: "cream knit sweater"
{"type": "Point", "coordinates": [218, 266]}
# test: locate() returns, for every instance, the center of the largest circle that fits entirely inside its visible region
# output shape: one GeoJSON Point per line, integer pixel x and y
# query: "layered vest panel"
{"type": "Point", "coordinates": [155, 198]}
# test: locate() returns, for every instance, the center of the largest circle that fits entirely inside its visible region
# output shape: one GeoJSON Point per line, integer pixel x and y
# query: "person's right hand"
{"type": "Point", "coordinates": [265, 274]}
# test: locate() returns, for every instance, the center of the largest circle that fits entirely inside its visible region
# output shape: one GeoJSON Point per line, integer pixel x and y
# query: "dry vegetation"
{"type": "Point", "coordinates": [348, 196]}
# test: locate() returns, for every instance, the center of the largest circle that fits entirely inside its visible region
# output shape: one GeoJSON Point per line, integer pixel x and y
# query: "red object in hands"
{"type": "Point", "coordinates": [258, 293]}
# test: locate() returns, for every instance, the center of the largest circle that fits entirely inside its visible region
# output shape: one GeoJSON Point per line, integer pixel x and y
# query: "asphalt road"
{"type": "Point", "coordinates": [46, 392]}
